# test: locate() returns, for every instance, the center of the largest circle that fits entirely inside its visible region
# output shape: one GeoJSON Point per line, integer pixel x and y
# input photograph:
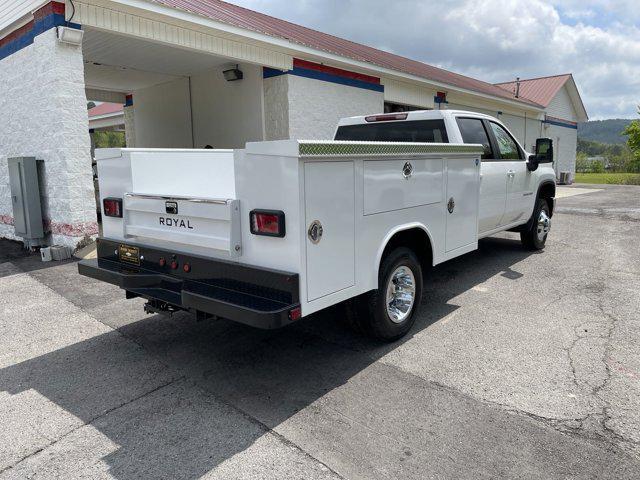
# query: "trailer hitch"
{"type": "Point", "coordinates": [160, 307]}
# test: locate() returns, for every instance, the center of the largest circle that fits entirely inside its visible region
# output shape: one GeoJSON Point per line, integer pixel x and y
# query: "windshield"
{"type": "Point", "coordinates": [427, 131]}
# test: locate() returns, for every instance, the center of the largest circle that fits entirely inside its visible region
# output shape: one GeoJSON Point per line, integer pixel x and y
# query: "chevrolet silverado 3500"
{"type": "Point", "coordinates": [278, 230]}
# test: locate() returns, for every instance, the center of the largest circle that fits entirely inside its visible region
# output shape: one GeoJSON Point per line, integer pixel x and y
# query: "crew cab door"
{"type": "Point", "coordinates": [493, 185]}
{"type": "Point", "coordinates": [519, 202]}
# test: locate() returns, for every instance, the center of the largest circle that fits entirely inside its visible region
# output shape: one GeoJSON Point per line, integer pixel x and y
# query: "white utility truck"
{"type": "Point", "coordinates": [278, 230]}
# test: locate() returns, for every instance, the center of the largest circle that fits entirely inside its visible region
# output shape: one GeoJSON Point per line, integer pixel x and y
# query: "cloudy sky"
{"type": "Point", "coordinates": [596, 40]}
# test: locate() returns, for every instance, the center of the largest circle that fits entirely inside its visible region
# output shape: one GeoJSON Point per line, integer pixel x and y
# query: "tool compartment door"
{"type": "Point", "coordinates": [461, 202]}
{"type": "Point", "coordinates": [330, 206]}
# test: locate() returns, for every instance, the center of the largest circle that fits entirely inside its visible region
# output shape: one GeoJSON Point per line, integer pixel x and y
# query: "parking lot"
{"type": "Point", "coordinates": [521, 365]}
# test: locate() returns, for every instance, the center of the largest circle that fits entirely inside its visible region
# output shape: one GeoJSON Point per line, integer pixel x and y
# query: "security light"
{"type": "Point", "coordinates": [72, 36]}
{"type": "Point", "coordinates": [233, 74]}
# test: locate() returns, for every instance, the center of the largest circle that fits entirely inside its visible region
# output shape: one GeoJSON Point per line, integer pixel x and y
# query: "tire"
{"type": "Point", "coordinates": [535, 237]}
{"type": "Point", "coordinates": [370, 314]}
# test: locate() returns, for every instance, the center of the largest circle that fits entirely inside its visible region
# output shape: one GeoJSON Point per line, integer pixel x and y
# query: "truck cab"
{"type": "Point", "coordinates": [509, 186]}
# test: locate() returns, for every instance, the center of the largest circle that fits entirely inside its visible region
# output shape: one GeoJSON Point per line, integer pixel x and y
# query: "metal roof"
{"type": "Point", "coordinates": [258, 22]}
{"type": "Point", "coordinates": [106, 109]}
{"type": "Point", "coordinates": [539, 90]}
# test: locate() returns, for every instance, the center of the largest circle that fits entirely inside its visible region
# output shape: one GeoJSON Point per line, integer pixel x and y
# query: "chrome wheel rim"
{"type": "Point", "coordinates": [401, 294]}
{"type": "Point", "coordinates": [544, 225]}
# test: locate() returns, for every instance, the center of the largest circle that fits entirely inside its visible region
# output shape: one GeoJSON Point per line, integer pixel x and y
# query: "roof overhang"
{"type": "Point", "coordinates": [13, 18]}
{"type": "Point", "coordinates": [109, 120]}
{"type": "Point", "coordinates": [157, 22]}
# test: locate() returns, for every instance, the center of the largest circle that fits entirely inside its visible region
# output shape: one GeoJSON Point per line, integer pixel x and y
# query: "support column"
{"type": "Point", "coordinates": [45, 109]}
{"type": "Point", "coordinates": [129, 122]}
{"type": "Point", "coordinates": [276, 107]}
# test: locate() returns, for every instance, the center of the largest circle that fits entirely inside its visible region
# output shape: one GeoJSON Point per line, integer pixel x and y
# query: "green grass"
{"type": "Point", "coordinates": [609, 178]}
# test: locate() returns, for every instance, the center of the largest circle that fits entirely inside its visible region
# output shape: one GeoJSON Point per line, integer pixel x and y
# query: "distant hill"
{"type": "Point", "coordinates": [604, 131]}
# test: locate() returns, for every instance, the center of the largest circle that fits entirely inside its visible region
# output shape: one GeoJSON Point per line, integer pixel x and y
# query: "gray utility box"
{"type": "Point", "coordinates": [25, 199]}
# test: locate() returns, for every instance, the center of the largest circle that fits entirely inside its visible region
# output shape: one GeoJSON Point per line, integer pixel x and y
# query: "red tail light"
{"type": "Point", "coordinates": [267, 222]}
{"type": "Point", "coordinates": [295, 314]}
{"type": "Point", "coordinates": [112, 207]}
{"type": "Point", "coordinates": [386, 117]}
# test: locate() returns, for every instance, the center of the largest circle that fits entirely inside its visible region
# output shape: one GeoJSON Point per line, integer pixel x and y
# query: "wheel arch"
{"type": "Point", "coordinates": [547, 189]}
{"type": "Point", "coordinates": [415, 236]}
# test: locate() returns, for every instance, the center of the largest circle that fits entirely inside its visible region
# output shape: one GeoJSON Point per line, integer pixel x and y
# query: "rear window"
{"type": "Point", "coordinates": [426, 131]}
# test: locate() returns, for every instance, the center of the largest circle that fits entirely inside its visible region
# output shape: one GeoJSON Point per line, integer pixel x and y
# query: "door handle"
{"type": "Point", "coordinates": [511, 174]}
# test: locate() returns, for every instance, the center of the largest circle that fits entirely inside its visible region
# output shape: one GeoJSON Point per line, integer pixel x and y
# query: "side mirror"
{"type": "Point", "coordinates": [544, 150]}
{"type": "Point", "coordinates": [544, 153]}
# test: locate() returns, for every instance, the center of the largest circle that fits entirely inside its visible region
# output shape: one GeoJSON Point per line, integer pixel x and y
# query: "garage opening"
{"type": "Point", "coordinates": [175, 98]}
{"type": "Point", "coordinates": [161, 96]}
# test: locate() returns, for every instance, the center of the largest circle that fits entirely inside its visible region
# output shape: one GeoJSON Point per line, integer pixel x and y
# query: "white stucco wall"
{"type": "Point", "coordinates": [316, 106]}
{"type": "Point", "coordinates": [227, 114]}
{"type": "Point", "coordinates": [43, 104]}
{"type": "Point", "coordinates": [162, 116]}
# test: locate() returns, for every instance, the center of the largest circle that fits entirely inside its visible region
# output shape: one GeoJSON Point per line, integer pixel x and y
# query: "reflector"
{"type": "Point", "coordinates": [295, 314]}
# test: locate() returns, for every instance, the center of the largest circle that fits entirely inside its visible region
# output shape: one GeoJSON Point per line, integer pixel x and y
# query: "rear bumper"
{"type": "Point", "coordinates": [258, 297]}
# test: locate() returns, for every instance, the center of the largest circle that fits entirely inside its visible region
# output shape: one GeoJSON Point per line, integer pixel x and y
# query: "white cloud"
{"type": "Point", "coordinates": [495, 40]}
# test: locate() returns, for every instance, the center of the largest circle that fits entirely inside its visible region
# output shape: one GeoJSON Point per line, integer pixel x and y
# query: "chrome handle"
{"type": "Point", "coordinates": [511, 174]}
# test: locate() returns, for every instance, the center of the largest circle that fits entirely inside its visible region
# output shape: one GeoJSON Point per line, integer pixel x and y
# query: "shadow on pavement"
{"type": "Point", "coordinates": [268, 375]}
{"type": "Point", "coordinates": [14, 252]}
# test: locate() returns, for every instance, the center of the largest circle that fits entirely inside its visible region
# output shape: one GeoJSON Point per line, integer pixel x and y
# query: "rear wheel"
{"type": "Point", "coordinates": [535, 237]}
{"type": "Point", "coordinates": [388, 313]}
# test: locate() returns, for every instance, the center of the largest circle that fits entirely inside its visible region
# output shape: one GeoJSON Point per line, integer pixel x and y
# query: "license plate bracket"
{"type": "Point", "coordinates": [129, 254]}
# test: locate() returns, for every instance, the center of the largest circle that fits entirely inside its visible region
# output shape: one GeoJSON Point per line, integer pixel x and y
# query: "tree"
{"type": "Point", "coordinates": [633, 131]}
{"type": "Point", "coordinates": [582, 164]}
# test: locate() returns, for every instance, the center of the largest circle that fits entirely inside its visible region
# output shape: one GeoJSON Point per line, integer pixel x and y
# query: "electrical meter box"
{"type": "Point", "coordinates": [25, 200]}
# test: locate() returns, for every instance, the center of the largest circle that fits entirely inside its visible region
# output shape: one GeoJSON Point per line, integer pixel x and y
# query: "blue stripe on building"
{"type": "Point", "coordinates": [39, 26]}
{"type": "Point", "coordinates": [561, 124]}
{"type": "Point", "coordinates": [324, 77]}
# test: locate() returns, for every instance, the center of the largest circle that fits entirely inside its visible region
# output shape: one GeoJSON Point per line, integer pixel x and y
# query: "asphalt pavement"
{"type": "Point", "coordinates": [520, 365]}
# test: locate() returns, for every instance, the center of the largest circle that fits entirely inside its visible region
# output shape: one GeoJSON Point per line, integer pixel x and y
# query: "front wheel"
{"type": "Point", "coordinates": [535, 237]}
{"type": "Point", "coordinates": [388, 313]}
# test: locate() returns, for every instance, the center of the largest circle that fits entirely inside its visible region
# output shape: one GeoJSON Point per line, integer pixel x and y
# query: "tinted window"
{"type": "Point", "coordinates": [427, 131]}
{"type": "Point", "coordinates": [473, 131]}
{"type": "Point", "coordinates": [506, 144]}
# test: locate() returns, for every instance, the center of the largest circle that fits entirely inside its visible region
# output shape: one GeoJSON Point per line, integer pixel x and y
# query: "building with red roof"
{"type": "Point", "coordinates": [191, 73]}
{"type": "Point", "coordinates": [106, 116]}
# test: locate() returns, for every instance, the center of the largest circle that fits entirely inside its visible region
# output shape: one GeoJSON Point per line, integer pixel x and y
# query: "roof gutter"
{"type": "Point", "coordinates": [293, 48]}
